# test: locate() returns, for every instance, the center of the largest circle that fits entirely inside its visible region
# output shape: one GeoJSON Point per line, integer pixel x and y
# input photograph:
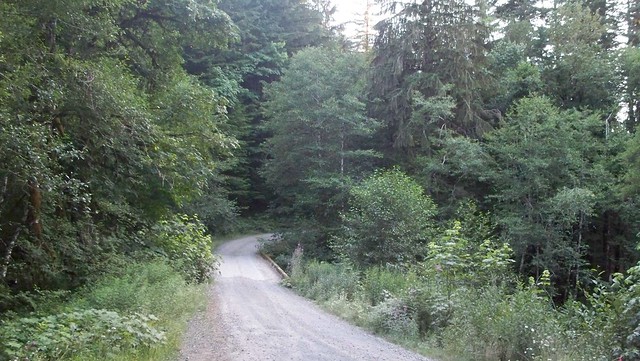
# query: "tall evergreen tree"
{"type": "Point", "coordinates": [579, 71]}
{"type": "Point", "coordinates": [546, 183]}
{"type": "Point", "coordinates": [317, 118]}
{"type": "Point", "coordinates": [432, 50]}
{"type": "Point", "coordinates": [269, 33]}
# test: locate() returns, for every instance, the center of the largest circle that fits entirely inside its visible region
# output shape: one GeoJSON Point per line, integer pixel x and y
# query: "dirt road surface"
{"type": "Point", "coordinates": [251, 317]}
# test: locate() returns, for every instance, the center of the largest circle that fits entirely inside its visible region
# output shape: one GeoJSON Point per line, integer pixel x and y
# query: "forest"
{"type": "Point", "coordinates": [460, 176]}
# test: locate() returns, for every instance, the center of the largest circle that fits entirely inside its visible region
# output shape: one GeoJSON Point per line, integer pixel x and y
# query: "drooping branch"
{"type": "Point", "coordinates": [153, 54]}
{"type": "Point", "coordinates": [150, 15]}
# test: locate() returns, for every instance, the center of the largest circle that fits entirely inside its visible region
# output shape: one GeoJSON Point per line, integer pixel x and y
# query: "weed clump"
{"type": "Point", "coordinates": [137, 314]}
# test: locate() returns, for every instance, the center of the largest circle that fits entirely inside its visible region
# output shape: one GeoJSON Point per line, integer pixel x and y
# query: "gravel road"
{"type": "Point", "coordinates": [251, 317]}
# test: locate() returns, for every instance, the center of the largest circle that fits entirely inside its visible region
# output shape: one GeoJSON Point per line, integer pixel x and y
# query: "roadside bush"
{"type": "Point", "coordinates": [218, 214]}
{"type": "Point", "coordinates": [144, 287]}
{"type": "Point", "coordinates": [593, 330]}
{"type": "Point", "coordinates": [465, 300]}
{"type": "Point", "coordinates": [54, 336]}
{"type": "Point", "coordinates": [32, 301]}
{"type": "Point", "coordinates": [379, 282]}
{"type": "Point", "coordinates": [109, 319]}
{"type": "Point", "coordinates": [184, 241]}
{"type": "Point", "coordinates": [389, 221]}
{"type": "Point", "coordinates": [310, 235]}
{"type": "Point", "coordinates": [433, 307]}
{"type": "Point", "coordinates": [494, 324]}
{"type": "Point", "coordinates": [627, 293]}
{"type": "Point", "coordinates": [279, 248]}
{"type": "Point", "coordinates": [321, 281]}
{"type": "Point", "coordinates": [353, 310]}
{"type": "Point", "coordinates": [394, 317]}
{"type": "Point", "coordinates": [607, 324]}
{"type": "Point", "coordinates": [456, 262]}
{"type": "Point", "coordinates": [296, 263]}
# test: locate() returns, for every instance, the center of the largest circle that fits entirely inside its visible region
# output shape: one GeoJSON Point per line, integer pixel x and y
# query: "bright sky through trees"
{"type": "Point", "coordinates": [347, 10]}
{"type": "Point", "coordinates": [351, 13]}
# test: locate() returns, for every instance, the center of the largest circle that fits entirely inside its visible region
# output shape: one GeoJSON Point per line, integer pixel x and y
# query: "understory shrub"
{"type": "Point", "coordinates": [309, 235]}
{"type": "Point", "coordinates": [321, 281]}
{"type": "Point", "coordinates": [137, 314]}
{"type": "Point", "coordinates": [593, 331]}
{"type": "Point", "coordinates": [142, 287]}
{"type": "Point", "coordinates": [388, 222]}
{"type": "Point", "coordinates": [497, 324]}
{"type": "Point", "coordinates": [432, 307]}
{"type": "Point", "coordinates": [352, 310]}
{"type": "Point", "coordinates": [187, 246]}
{"type": "Point", "coordinates": [54, 336]}
{"type": "Point", "coordinates": [393, 316]}
{"type": "Point", "coordinates": [279, 249]}
{"type": "Point", "coordinates": [379, 282]}
{"type": "Point", "coordinates": [31, 301]}
{"type": "Point", "coordinates": [498, 321]}
{"type": "Point", "coordinates": [607, 324]}
{"type": "Point", "coordinates": [464, 299]}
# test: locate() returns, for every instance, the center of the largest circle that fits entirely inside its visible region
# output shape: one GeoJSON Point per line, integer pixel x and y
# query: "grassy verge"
{"type": "Point", "coordinates": [451, 321]}
{"type": "Point", "coordinates": [138, 314]}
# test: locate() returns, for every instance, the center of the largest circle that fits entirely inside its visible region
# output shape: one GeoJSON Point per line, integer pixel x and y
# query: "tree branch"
{"type": "Point", "coordinates": [152, 53]}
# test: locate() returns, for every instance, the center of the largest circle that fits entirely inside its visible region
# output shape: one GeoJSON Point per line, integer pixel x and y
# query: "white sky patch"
{"type": "Point", "coordinates": [351, 13]}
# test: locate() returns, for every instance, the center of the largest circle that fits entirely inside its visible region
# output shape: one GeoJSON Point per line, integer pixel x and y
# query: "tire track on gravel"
{"type": "Point", "coordinates": [251, 317]}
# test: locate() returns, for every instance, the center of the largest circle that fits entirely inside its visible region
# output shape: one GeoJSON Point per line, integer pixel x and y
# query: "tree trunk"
{"type": "Point", "coordinates": [633, 22]}
{"type": "Point", "coordinates": [342, 154]}
{"type": "Point", "coordinates": [578, 245]}
{"type": "Point", "coordinates": [34, 208]}
{"type": "Point", "coordinates": [51, 35]}
{"type": "Point", "coordinates": [606, 247]}
{"type": "Point", "coordinates": [3, 194]}
{"type": "Point", "coordinates": [367, 28]}
{"type": "Point", "coordinates": [6, 260]}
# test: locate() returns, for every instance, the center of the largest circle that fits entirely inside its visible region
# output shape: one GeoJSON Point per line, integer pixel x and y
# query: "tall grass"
{"type": "Point", "coordinates": [154, 290]}
{"type": "Point", "coordinates": [323, 280]}
{"type": "Point", "coordinates": [493, 322]}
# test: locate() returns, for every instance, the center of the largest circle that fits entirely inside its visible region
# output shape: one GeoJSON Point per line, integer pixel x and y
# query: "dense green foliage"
{"type": "Point", "coordinates": [458, 304]}
{"type": "Point", "coordinates": [102, 133]}
{"type": "Point", "coordinates": [318, 124]}
{"type": "Point", "coordinates": [389, 222]}
{"type": "Point", "coordinates": [270, 32]}
{"type": "Point", "coordinates": [117, 148]}
{"type": "Point", "coordinates": [185, 244]}
{"type": "Point", "coordinates": [137, 313]}
{"type": "Point", "coordinates": [510, 129]}
{"type": "Point", "coordinates": [426, 179]}
{"type": "Point", "coordinates": [51, 337]}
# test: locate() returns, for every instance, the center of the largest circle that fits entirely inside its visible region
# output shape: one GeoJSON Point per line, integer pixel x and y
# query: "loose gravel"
{"type": "Point", "coordinates": [251, 317]}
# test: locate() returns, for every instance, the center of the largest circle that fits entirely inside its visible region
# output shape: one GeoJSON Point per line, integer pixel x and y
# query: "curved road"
{"type": "Point", "coordinates": [251, 317]}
